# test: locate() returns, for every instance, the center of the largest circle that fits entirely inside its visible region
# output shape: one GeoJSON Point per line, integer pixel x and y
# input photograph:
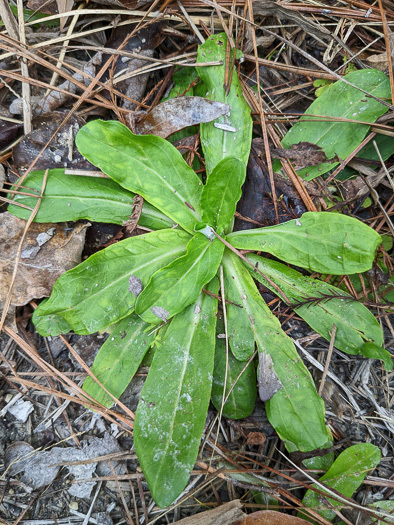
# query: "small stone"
{"type": "Point", "coordinates": [73, 505]}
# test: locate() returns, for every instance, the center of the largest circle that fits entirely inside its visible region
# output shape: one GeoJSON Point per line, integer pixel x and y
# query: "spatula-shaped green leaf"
{"type": "Point", "coordinates": [96, 293]}
{"type": "Point", "coordinates": [222, 192]}
{"type": "Point", "coordinates": [174, 400]}
{"type": "Point", "coordinates": [229, 135]}
{"type": "Point", "coordinates": [144, 164]}
{"type": "Point", "coordinates": [244, 294]}
{"type": "Point", "coordinates": [345, 476]}
{"type": "Point", "coordinates": [177, 285]}
{"type": "Point", "coordinates": [355, 324]}
{"type": "Point", "coordinates": [242, 398]}
{"type": "Point", "coordinates": [119, 358]}
{"type": "Point", "coordinates": [340, 100]}
{"type": "Point", "coordinates": [71, 198]}
{"type": "Point", "coordinates": [319, 241]}
{"type": "Point", "coordinates": [295, 410]}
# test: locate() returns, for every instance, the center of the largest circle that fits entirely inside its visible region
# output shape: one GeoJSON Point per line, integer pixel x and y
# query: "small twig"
{"type": "Point", "coordinates": [328, 360]}
{"type": "Point", "coordinates": [383, 165]}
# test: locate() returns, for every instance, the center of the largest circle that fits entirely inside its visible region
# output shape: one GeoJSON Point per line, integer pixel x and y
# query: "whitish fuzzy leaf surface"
{"type": "Point", "coordinates": [71, 198]}
{"type": "Point", "coordinates": [230, 135]}
{"type": "Point", "coordinates": [344, 101]}
{"type": "Point", "coordinates": [96, 293]}
{"type": "Point", "coordinates": [118, 359]}
{"type": "Point", "coordinates": [144, 164]}
{"type": "Point", "coordinates": [319, 241]}
{"type": "Point", "coordinates": [345, 476]}
{"type": "Point", "coordinates": [222, 192]}
{"type": "Point", "coordinates": [242, 399]}
{"type": "Point", "coordinates": [355, 324]}
{"type": "Point", "coordinates": [177, 285]}
{"type": "Point", "coordinates": [174, 401]}
{"type": "Point", "coordinates": [295, 411]}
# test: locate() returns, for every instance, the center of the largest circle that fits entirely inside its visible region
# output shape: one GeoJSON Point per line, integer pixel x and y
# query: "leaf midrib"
{"type": "Point", "coordinates": [99, 292]}
{"type": "Point", "coordinates": [180, 280]}
{"type": "Point", "coordinates": [248, 235]}
{"type": "Point", "coordinates": [178, 394]}
{"type": "Point", "coordinates": [173, 190]}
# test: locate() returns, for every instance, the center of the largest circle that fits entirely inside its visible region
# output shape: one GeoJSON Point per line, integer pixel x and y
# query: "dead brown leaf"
{"type": "Point", "coordinates": [64, 6]}
{"type": "Point", "coordinates": [61, 152]}
{"type": "Point", "coordinates": [49, 8]}
{"type": "Point", "coordinates": [255, 438]}
{"type": "Point", "coordinates": [223, 515]}
{"type": "Point", "coordinates": [270, 517]}
{"type": "Point", "coordinates": [302, 154]}
{"type": "Point", "coordinates": [143, 44]}
{"type": "Point", "coordinates": [179, 113]}
{"type": "Point", "coordinates": [48, 251]}
{"type": "Point", "coordinates": [8, 132]}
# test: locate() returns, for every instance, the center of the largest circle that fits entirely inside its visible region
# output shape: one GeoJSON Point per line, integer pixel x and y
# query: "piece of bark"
{"type": "Point", "coordinates": [226, 514]}
{"type": "Point", "coordinates": [269, 383]}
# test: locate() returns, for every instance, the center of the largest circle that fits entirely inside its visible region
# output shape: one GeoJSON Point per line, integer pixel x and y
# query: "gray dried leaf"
{"type": "Point", "coordinates": [179, 113]}
{"type": "Point", "coordinates": [269, 382]}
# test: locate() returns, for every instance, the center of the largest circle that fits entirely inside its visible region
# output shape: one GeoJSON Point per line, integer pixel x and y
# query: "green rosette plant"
{"type": "Point", "coordinates": [168, 278]}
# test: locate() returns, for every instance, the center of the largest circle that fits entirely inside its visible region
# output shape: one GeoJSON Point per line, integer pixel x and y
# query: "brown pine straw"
{"type": "Point", "coordinates": [83, 397]}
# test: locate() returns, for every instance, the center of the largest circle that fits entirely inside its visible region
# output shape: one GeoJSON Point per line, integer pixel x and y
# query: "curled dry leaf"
{"type": "Point", "coordinates": [60, 153]}
{"type": "Point", "coordinates": [179, 113]}
{"type": "Point", "coordinates": [270, 517]}
{"type": "Point", "coordinates": [48, 251]}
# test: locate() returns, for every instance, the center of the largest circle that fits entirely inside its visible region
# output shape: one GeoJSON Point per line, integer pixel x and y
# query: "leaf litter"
{"type": "Point", "coordinates": [146, 88]}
